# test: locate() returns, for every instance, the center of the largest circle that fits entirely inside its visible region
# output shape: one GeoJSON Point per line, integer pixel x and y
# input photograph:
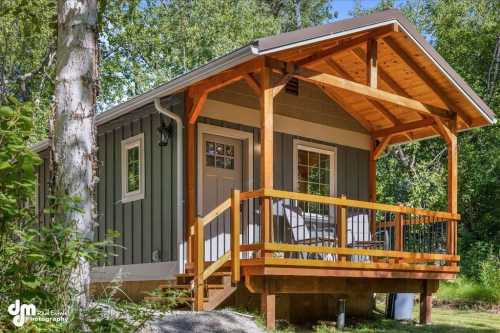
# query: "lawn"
{"type": "Point", "coordinates": [445, 320]}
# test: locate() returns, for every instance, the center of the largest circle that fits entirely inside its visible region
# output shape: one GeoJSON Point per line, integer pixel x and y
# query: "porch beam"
{"type": "Point", "coordinates": [225, 78]}
{"type": "Point", "coordinates": [253, 84]}
{"type": "Point", "coordinates": [340, 101]}
{"type": "Point", "coordinates": [281, 84]}
{"type": "Point", "coordinates": [384, 76]}
{"type": "Point", "coordinates": [361, 89]}
{"type": "Point", "coordinates": [197, 105]}
{"type": "Point", "coordinates": [379, 149]}
{"type": "Point", "coordinates": [347, 45]}
{"type": "Point", "coordinates": [357, 88]}
{"type": "Point", "coordinates": [404, 128]}
{"type": "Point", "coordinates": [426, 78]}
{"type": "Point", "coordinates": [340, 71]}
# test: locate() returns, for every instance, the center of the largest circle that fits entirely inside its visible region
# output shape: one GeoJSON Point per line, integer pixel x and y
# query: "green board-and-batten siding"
{"type": "Point", "coordinates": [150, 224]}
{"type": "Point", "coordinates": [147, 227]}
{"type": "Point", "coordinates": [352, 163]}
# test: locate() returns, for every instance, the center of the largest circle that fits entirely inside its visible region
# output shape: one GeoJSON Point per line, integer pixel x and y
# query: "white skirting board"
{"type": "Point", "coordinates": [137, 272]}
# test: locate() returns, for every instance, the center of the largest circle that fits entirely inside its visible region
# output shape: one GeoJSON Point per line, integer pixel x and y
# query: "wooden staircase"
{"type": "Point", "coordinates": [217, 288]}
{"type": "Point", "coordinates": [208, 284]}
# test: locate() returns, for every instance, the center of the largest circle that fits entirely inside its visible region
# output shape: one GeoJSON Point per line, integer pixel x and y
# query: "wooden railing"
{"type": "Point", "coordinates": [202, 273]}
{"type": "Point", "coordinates": [320, 231]}
{"type": "Point", "coordinates": [353, 230]}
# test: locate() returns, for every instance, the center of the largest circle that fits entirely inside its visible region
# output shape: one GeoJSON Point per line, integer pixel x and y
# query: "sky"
{"type": "Point", "coordinates": [344, 6]}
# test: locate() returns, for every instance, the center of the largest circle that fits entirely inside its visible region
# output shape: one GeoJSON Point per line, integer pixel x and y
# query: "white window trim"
{"type": "Point", "coordinates": [135, 141]}
{"type": "Point", "coordinates": [319, 148]}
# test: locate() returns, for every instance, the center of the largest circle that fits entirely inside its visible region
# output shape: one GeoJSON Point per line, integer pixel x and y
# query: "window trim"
{"type": "Point", "coordinates": [126, 145]}
{"type": "Point", "coordinates": [318, 148]}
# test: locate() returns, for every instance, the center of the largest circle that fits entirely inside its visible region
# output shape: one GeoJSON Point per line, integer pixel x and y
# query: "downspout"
{"type": "Point", "coordinates": [180, 182]}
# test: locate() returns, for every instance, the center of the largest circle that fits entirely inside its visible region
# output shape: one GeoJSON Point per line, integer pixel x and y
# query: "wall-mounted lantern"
{"type": "Point", "coordinates": [165, 133]}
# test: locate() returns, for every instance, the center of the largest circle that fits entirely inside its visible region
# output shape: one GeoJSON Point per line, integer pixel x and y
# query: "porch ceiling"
{"type": "Point", "coordinates": [403, 69]}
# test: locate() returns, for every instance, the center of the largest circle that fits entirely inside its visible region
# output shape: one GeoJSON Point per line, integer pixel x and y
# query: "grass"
{"type": "Point", "coordinates": [444, 320]}
{"type": "Point", "coordinates": [466, 291]}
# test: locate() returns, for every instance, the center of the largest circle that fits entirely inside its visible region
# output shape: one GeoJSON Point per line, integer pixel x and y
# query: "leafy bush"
{"type": "Point", "coordinates": [490, 274]}
{"type": "Point", "coordinates": [36, 260]}
{"type": "Point", "coordinates": [467, 291]}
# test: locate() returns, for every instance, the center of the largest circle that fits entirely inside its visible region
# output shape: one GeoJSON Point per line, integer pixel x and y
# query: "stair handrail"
{"type": "Point", "coordinates": [233, 255]}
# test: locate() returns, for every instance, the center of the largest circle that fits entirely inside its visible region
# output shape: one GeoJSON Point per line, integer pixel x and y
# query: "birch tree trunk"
{"type": "Point", "coordinates": [73, 124]}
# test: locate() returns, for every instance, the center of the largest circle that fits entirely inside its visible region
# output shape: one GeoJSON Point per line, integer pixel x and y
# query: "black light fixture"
{"type": "Point", "coordinates": [165, 133]}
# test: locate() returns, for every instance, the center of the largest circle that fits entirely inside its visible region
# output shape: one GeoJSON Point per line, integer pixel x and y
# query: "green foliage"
{"type": "Point", "coordinates": [312, 12]}
{"type": "Point", "coordinates": [37, 260]}
{"type": "Point", "coordinates": [27, 57]}
{"type": "Point", "coordinates": [466, 291]}
{"type": "Point", "coordinates": [17, 162]}
{"type": "Point", "coordinates": [147, 45]}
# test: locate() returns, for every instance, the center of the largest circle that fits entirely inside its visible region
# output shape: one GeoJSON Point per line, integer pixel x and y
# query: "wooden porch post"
{"type": "Point", "coordinates": [193, 107]}
{"type": "Point", "coordinates": [372, 81]}
{"type": "Point", "coordinates": [190, 180]}
{"type": "Point", "coordinates": [452, 191]}
{"type": "Point", "coordinates": [426, 304]}
{"type": "Point", "coordinates": [266, 143]}
{"type": "Point", "coordinates": [450, 137]}
{"type": "Point", "coordinates": [268, 308]}
{"type": "Point", "coordinates": [266, 177]}
{"type": "Point", "coordinates": [372, 185]}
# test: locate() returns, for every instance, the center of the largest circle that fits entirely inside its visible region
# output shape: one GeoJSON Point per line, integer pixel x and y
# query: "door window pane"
{"type": "Point", "coordinates": [219, 155]}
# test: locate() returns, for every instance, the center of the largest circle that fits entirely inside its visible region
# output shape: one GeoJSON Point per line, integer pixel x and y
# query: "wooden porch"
{"type": "Point", "coordinates": [278, 235]}
{"type": "Point", "coordinates": [414, 248]}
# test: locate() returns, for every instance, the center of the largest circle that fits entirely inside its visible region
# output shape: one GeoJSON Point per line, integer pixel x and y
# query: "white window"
{"type": "Point", "coordinates": [133, 168]}
{"type": "Point", "coordinates": [314, 172]}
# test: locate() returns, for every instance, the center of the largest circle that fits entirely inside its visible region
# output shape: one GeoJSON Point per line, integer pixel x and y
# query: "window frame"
{"type": "Point", "coordinates": [317, 148]}
{"type": "Point", "coordinates": [126, 145]}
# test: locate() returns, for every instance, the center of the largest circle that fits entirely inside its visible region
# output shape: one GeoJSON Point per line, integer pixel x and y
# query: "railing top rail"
{"type": "Point", "coordinates": [347, 203]}
{"type": "Point", "coordinates": [214, 213]}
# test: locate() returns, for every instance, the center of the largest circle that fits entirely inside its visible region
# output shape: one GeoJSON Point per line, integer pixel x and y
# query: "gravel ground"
{"type": "Point", "coordinates": [203, 322]}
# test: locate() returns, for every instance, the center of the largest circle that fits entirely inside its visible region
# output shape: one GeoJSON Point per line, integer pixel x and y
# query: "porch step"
{"type": "Point", "coordinates": [218, 273]}
{"type": "Point", "coordinates": [188, 286]}
{"type": "Point", "coordinates": [217, 288]}
{"type": "Point", "coordinates": [160, 299]}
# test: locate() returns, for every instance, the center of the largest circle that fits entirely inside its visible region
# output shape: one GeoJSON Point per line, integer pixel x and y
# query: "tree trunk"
{"type": "Point", "coordinates": [298, 15]}
{"type": "Point", "coordinates": [74, 128]}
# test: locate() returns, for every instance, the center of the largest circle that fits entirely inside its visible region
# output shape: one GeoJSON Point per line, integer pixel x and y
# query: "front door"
{"type": "Point", "coordinates": [222, 171]}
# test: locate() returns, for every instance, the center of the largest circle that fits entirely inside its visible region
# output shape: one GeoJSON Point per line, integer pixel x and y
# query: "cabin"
{"type": "Point", "coordinates": [251, 180]}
